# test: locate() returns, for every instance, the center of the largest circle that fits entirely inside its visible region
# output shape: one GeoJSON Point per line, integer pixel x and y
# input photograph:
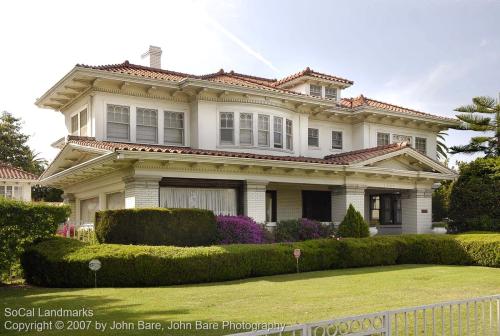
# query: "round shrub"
{"type": "Point", "coordinates": [301, 229]}
{"type": "Point", "coordinates": [178, 227]}
{"type": "Point", "coordinates": [353, 224]}
{"type": "Point", "coordinates": [239, 230]}
{"type": "Point", "coordinates": [475, 197]}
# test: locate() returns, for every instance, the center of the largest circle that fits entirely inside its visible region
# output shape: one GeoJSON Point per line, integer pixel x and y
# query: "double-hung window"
{"type": "Point", "coordinates": [10, 192]}
{"type": "Point", "coordinates": [79, 123]}
{"type": "Point", "coordinates": [336, 140]}
{"type": "Point", "coordinates": [382, 139]}
{"type": "Point", "coordinates": [289, 134]}
{"type": "Point", "coordinates": [83, 122]}
{"type": "Point", "coordinates": [315, 90]}
{"type": "Point", "coordinates": [118, 123]}
{"type": "Point", "coordinates": [173, 128]}
{"type": "Point", "coordinates": [227, 128]}
{"type": "Point", "coordinates": [278, 132]}
{"type": "Point", "coordinates": [313, 137]}
{"type": "Point", "coordinates": [74, 125]}
{"type": "Point", "coordinates": [146, 125]}
{"type": "Point", "coordinates": [330, 93]}
{"type": "Point", "coordinates": [246, 129]}
{"type": "Point", "coordinates": [263, 130]}
{"type": "Point", "coordinates": [421, 145]}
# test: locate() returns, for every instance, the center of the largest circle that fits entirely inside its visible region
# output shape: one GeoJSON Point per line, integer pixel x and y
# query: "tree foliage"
{"type": "Point", "coordinates": [475, 196]}
{"type": "Point", "coordinates": [441, 201]}
{"type": "Point", "coordinates": [483, 115]}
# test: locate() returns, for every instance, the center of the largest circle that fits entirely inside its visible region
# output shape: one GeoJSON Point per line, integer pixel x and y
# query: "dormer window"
{"type": "Point", "coordinates": [315, 90]}
{"type": "Point", "coordinates": [331, 93]}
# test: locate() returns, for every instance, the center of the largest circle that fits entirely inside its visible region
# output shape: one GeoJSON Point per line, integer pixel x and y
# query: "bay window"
{"type": "Point", "coordinates": [278, 132]}
{"type": "Point", "coordinates": [227, 128]}
{"type": "Point", "coordinates": [246, 129]}
{"type": "Point", "coordinates": [289, 134]}
{"type": "Point", "coordinates": [263, 130]}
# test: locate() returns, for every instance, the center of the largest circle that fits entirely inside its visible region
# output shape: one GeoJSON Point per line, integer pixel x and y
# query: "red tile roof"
{"type": "Point", "coordinates": [336, 159]}
{"type": "Point", "coordinates": [308, 72]}
{"type": "Point", "coordinates": [364, 101]}
{"type": "Point", "coordinates": [10, 172]}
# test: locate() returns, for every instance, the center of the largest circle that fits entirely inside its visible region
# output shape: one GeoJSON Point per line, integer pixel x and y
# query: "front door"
{"type": "Point", "coordinates": [317, 205]}
{"type": "Point", "coordinates": [386, 208]}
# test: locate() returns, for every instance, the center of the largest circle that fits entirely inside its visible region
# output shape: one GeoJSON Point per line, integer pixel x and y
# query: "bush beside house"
{"type": "Point", "coordinates": [61, 262]}
{"type": "Point", "coordinates": [239, 230]}
{"type": "Point", "coordinates": [353, 224]}
{"type": "Point", "coordinates": [301, 229]}
{"type": "Point", "coordinates": [178, 227]}
{"type": "Point", "coordinates": [21, 223]}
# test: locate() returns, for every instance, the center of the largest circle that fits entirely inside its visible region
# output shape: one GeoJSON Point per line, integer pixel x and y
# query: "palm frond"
{"type": "Point", "coordinates": [442, 153]}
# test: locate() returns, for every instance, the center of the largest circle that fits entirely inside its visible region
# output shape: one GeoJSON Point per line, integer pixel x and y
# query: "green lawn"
{"type": "Point", "coordinates": [285, 298]}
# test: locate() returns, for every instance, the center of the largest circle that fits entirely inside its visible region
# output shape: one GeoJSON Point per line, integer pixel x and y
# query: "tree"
{"type": "Point", "coordinates": [441, 148]}
{"type": "Point", "coordinates": [475, 196]}
{"type": "Point", "coordinates": [14, 148]}
{"type": "Point", "coordinates": [441, 201]}
{"type": "Point", "coordinates": [353, 224]}
{"type": "Point", "coordinates": [483, 115]}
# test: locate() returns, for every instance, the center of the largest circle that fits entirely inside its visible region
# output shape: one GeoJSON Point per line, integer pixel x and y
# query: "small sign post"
{"type": "Point", "coordinates": [296, 254]}
{"type": "Point", "coordinates": [94, 266]}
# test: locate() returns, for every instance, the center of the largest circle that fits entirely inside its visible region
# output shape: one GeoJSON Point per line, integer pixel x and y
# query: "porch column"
{"type": "Point", "coordinates": [69, 199]}
{"type": "Point", "coordinates": [142, 192]}
{"type": "Point", "coordinates": [345, 195]}
{"type": "Point", "coordinates": [255, 200]}
{"type": "Point", "coordinates": [416, 210]}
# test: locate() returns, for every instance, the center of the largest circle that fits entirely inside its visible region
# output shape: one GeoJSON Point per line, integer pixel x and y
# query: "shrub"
{"type": "Point", "coordinates": [179, 227]}
{"type": "Point", "coordinates": [239, 230]}
{"type": "Point", "coordinates": [441, 201]}
{"type": "Point", "coordinates": [21, 223]}
{"type": "Point", "coordinates": [353, 224]}
{"type": "Point", "coordinates": [62, 262]}
{"type": "Point", "coordinates": [475, 196]}
{"type": "Point", "coordinates": [301, 229]}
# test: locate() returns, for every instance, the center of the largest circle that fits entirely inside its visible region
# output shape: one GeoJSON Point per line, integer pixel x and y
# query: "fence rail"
{"type": "Point", "coordinates": [475, 317]}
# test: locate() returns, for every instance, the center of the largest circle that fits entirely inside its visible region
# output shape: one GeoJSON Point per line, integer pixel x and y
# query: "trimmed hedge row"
{"type": "Point", "coordinates": [179, 227]}
{"type": "Point", "coordinates": [61, 262]}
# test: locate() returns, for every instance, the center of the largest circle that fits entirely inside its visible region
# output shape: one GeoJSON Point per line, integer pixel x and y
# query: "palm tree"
{"type": "Point", "coordinates": [483, 115]}
{"type": "Point", "coordinates": [441, 148]}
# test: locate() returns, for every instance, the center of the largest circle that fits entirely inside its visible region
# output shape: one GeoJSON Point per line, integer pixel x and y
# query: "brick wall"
{"type": "Point", "coordinates": [142, 192]}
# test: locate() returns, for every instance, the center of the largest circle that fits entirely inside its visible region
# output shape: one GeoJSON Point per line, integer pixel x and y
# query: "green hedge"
{"type": "Point", "coordinates": [23, 222]}
{"type": "Point", "coordinates": [61, 262]}
{"type": "Point", "coordinates": [178, 227]}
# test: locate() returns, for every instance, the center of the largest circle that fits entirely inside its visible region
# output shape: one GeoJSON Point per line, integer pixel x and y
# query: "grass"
{"type": "Point", "coordinates": [285, 298]}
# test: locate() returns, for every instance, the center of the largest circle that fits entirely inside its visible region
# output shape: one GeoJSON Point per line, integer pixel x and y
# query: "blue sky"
{"type": "Point", "coordinates": [429, 55]}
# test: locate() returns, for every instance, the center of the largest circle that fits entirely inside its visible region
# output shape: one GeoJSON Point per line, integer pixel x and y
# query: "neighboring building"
{"type": "Point", "coordinates": [238, 144]}
{"type": "Point", "coordinates": [16, 183]}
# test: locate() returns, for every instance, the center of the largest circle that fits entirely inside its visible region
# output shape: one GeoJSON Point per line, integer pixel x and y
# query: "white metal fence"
{"type": "Point", "coordinates": [475, 317]}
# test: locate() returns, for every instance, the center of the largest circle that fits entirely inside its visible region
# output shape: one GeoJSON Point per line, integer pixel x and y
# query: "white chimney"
{"type": "Point", "coordinates": [154, 54]}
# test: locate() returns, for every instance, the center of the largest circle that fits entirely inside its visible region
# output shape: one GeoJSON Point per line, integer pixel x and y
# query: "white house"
{"type": "Point", "coordinates": [16, 183]}
{"type": "Point", "coordinates": [239, 144]}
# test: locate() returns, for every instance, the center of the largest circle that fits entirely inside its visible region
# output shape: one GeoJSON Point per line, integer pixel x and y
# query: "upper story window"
{"type": "Point", "coordinates": [383, 139]}
{"type": "Point", "coordinates": [401, 138]}
{"type": "Point", "coordinates": [173, 128]}
{"type": "Point", "coordinates": [315, 90]}
{"type": "Point", "coordinates": [330, 93]}
{"type": "Point", "coordinates": [421, 145]}
{"type": "Point", "coordinates": [336, 140]}
{"type": "Point", "coordinates": [263, 130]}
{"type": "Point", "coordinates": [289, 134]}
{"type": "Point", "coordinates": [118, 123]}
{"type": "Point", "coordinates": [10, 192]}
{"type": "Point", "coordinates": [146, 125]}
{"type": "Point", "coordinates": [313, 137]}
{"type": "Point", "coordinates": [278, 132]}
{"type": "Point", "coordinates": [227, 128]}
{"type": "Point", "coordinates": [79, 123]}
{"type": "Point", "coordinates": [246, 129]}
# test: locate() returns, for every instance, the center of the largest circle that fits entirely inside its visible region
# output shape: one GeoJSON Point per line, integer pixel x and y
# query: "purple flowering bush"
{"type": "Point", "coordinates": [239, 230]}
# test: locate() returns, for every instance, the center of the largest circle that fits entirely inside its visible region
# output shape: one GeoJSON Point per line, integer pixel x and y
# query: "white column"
{"type": "Point", "coordinates": [69, 199]}
{"type": "Point", "coordinates": [142, 192]}
{"type": "Point", "coordinates": [416, 209]}
{"type": "Point", "coordinates": [255, 200]}
{"type": "Point", "coordinates": [343, 196]}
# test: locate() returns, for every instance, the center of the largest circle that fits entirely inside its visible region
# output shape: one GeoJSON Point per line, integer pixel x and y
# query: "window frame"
{"type": "Point", "coordinates": [331, 96]}
{"type": "Point", "coordinates": [266, 131]}
{"type": "Point", "coordinates": [145, 109]}
{"type": "Point", "coordinates": [309, 137]}
{"type": "Point", "coordinates": [417, 139]}
{"type": "Point", "coordinates": [341, 140]}
{"type": "Point", "coordinates": [315, 94]}
{"type": "Point", "coordinates": [278, 131]}
{"type": "Point", "coordinates": [289, 134]}
{"type": "Point", "coordinates": [225, 142]}
{"type": "Point", "coordinates": [379, 134]}
{"type": "Point", "coordinates": [75, 129]}
{"type": "Point", "coordinates": [250, 129]}
{"type": "Point", "coordinates": [115, 122]}
{"type": "Point", "coordinates": [182, 130]}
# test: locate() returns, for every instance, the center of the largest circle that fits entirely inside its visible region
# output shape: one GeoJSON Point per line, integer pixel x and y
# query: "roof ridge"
{"type": "Point", "coordinates": [308, 71]}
